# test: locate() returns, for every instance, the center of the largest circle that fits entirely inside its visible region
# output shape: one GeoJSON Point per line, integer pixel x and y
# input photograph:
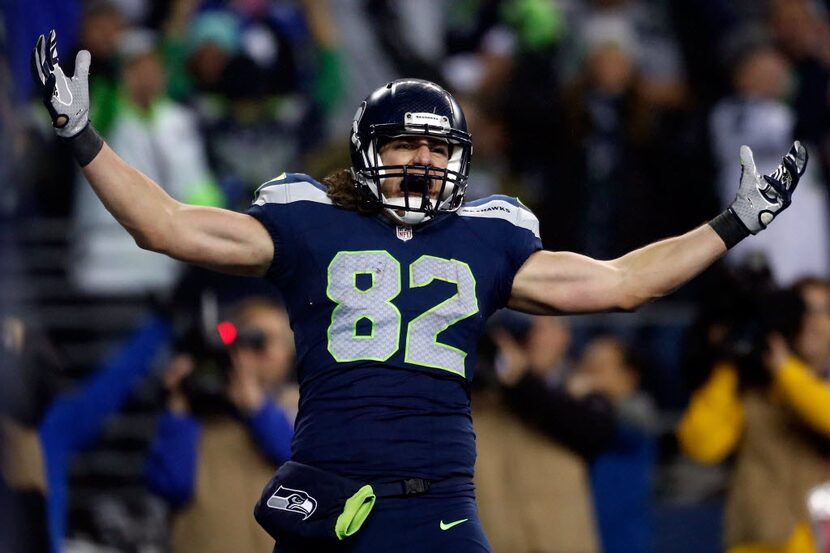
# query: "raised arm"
{"type": "Point", "coordinates": [562, 282]}
{"type": "Point", "coordinates": [565, 282]}
{"type": "Point", "coordinates": [220, 239]}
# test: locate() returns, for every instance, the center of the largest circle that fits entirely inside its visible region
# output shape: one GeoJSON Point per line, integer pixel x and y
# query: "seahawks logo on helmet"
{"type": "Point", "coordinates": [293, 501]}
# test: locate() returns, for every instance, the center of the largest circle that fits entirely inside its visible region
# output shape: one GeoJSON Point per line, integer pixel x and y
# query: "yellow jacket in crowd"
{"type": "Point", "coordinates": [781, 438]}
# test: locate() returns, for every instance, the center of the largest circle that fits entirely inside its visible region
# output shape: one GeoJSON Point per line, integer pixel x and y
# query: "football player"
{"type": "Point", "coordinates": [389, 277]}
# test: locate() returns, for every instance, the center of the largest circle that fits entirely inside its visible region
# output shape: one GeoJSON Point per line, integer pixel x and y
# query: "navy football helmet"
{"type": "Point", "coordinates": [410, 107]}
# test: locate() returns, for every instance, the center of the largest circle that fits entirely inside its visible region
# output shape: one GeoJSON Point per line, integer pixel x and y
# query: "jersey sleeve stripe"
{"type": "Point", "coordinates": [281, 192]}
{"type": "Point", "coordinates": [275, 180]}
{"type": "Point", "coordinates": [516, 202]}
{"type": "Point", "coordinates": [505, 208]}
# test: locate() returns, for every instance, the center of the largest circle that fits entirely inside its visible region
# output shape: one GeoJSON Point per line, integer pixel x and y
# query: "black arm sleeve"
{"type": "Point", "coordinates": [586, 425]}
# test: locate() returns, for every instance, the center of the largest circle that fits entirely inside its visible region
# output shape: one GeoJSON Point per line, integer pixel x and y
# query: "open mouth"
{"type": "Point", "coordinates": [416, 185]}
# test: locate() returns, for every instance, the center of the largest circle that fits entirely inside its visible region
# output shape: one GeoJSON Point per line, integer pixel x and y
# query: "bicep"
{"type": "Point", "coordinates": [219, 239]}
{"type": "Point", "coordinates": [550, 283]}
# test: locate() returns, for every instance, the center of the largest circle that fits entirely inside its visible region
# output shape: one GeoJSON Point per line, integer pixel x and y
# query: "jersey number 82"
{"type": "Point", "coordinates": [374, 304]}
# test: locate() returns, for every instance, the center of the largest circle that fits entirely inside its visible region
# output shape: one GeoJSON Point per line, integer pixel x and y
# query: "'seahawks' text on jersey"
{"type": "Point", "coordinates": [387, 320]}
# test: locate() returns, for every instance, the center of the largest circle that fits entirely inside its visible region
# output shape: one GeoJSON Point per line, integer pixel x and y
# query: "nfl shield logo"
{"type": "Point", "coordinates": [404, 233]}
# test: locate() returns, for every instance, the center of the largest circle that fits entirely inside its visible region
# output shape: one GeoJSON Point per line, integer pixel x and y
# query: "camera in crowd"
{"type": "Point", "coordinates": [753, 308]}
{"type": "Point", "coordinates": [209, 342]}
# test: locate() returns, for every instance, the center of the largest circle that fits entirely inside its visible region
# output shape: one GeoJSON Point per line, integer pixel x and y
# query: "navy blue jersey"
{"type": "Point", "coordinates": [386, 320]}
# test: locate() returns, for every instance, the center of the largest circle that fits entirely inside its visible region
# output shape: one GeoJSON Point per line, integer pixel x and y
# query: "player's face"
{"type": "Point", "coordinates": [414, 151]}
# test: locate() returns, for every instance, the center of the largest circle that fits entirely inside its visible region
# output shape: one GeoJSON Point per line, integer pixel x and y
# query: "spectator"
{"type": "Point", "coordinates": [213, 38]}
{"type": "Point", "coordinates": [45, 432]}
{"type": "Point", "coordinates": [642, 29]}
{"type": "Point", "coordinates": [769, 404]}
{"type": "Point", "coordinates": [258, 134]}
{"type": "Point", "coordinates": [621, 476]}
{"type": "Point", "coordinates": [534, 423]}
{"type": "Point", "coordinates": [247, 71]}
{"type": "Point", "coordinates": [175, 26]}
{"type": "Point", "coordinates": [224, 433]}
{"type": "Point", "coordinates": [800, 29]}
{"type": "Point", "coordinates": [102, 27]}
{"type": "Point", "coordinates": [813, 343]}
{"type": "Point", "coordinates": [757, 115]}
{"type": "Point", "coordinates": [610, 163]}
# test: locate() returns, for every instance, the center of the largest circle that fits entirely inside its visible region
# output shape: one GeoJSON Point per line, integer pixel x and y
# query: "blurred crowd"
{"type": "Point", "coordinates": [701, 424]}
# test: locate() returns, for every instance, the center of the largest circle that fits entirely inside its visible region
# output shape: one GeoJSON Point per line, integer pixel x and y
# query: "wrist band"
{"type": "Point", "coordinates": [85, 145]}
{"type": "Point", "coordinates": [730, 229]}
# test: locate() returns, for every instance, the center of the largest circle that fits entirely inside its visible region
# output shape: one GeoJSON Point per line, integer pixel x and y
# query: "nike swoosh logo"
{"type": "Point", "coordinates": [448, 525]}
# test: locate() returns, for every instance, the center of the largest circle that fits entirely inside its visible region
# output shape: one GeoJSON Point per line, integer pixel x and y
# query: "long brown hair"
{"type": "Point", "coordinates": [342, 190]}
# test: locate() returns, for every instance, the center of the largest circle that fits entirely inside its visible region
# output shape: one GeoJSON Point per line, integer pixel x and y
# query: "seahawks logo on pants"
{"type": "Point", "coordinates": [294, 501]}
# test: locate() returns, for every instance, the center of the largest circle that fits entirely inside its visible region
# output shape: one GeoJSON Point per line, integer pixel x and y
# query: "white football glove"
{"type": "Point", "coordinates": [762, 197]}
{"type": "Point", "coordinates": [66, 99]}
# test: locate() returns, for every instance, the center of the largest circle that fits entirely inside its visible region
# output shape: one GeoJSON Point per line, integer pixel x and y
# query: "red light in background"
{"type": "Point", "coordinates": [227, 332]}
